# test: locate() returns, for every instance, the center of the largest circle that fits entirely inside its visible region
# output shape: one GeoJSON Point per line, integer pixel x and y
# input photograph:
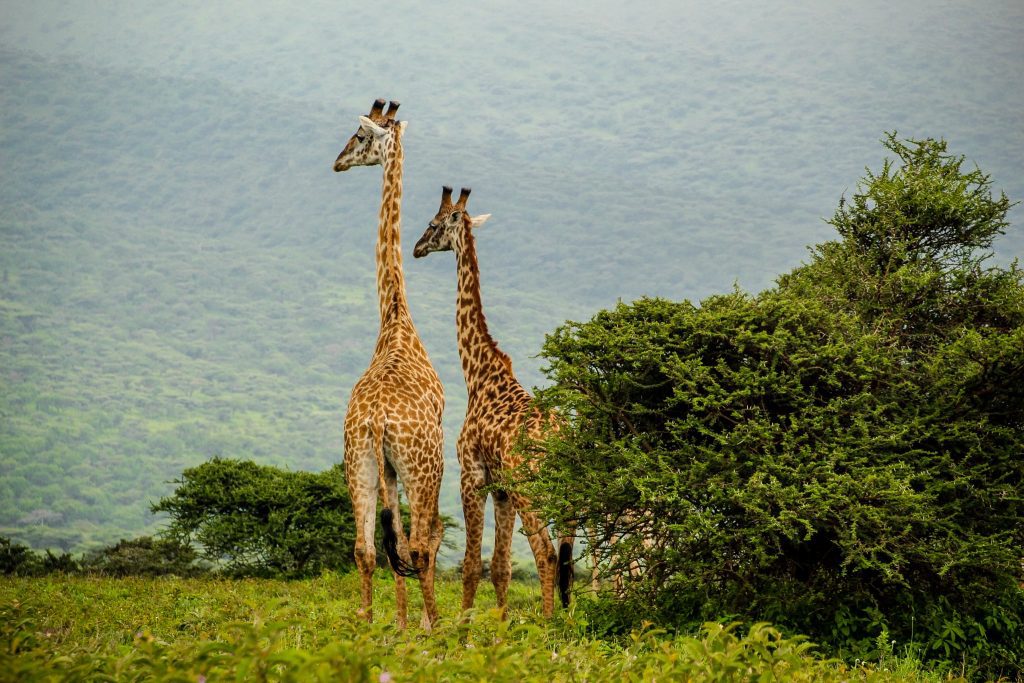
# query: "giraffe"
{"type": "Point", "coordinates": [608, 545]}
{"type": "Point", "coordinates": [393, 422]}
{"type": "Point", "coordinates": [498, 409]}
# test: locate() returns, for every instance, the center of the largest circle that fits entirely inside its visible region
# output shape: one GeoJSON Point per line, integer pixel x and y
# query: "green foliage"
{"type": "Point", "coordinates": [839, 454]}
{"type": "Point", "coordinates": [145, 556]}
{"type": "Point", "coordinates": [262, 520]}
{"type": "Point", "coordinates": [922, 207]}
{"type": "Point", "coordinates": [189, 630]}
{"type": "Point", "coordinates": [915, 240]}
{"type": "Point", "coordinates": [64, 563]}
{"type": "Point", "coordinates": [17, 559]}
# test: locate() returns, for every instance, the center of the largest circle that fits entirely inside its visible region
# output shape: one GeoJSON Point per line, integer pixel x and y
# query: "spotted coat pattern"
{"type": "Point", "coordinates": [498, 409]}
{"type": "Point", "coordinates": [393, 422]}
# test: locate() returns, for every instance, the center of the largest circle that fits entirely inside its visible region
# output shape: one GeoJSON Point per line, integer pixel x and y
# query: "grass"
{"type": "Point", "coordinates": [171, 629]}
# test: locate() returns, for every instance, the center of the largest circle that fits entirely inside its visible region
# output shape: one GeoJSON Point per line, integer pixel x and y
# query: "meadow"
{"type": "Point", "coordinates": [183, 279]}
{"type": "Point", "coordinates": [174, 629]}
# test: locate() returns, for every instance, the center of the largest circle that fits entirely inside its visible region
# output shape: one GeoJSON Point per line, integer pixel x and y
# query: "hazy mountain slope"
{"type": "Point", "coordinates": [152, 315]}
{"type": "Point", "coordinates": [688, 130]}
{"type": "Point", "coordinates": [182, 274]}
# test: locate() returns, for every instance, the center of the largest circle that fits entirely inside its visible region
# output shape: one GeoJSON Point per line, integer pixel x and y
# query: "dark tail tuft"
{"type": "Point", "coordinates": [566, 570]}
{"type": "Point", "coordinates": [390, 543]}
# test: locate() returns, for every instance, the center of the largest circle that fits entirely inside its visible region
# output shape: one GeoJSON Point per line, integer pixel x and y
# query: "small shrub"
{"type": "Point", "coordinates": [65, 563]}
{"type": "Point", "coordinates": [145, 556]}
{"type": "Point", "coordinates": [17, 559]}
{"type": "Point", "coordinates": [259, 520]}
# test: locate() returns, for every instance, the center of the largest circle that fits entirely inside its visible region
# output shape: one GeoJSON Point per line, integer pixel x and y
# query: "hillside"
{"type": "Point", "coordinates": [143, 335]}
{"type": "Point", "coordinates": [182, 276]}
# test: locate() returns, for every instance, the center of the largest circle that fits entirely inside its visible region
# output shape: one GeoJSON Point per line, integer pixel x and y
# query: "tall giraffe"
{"type": "Point", "coordinates": [498, 409]}
{"type": "Point", "coordinates": [393, 422]}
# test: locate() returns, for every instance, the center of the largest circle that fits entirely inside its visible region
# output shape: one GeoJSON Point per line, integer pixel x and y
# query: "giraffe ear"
{"type": "Point", "coordinates": [477, 221]}
{"type": "Point", "coordinates": [368, 125]}
{"type": "Point", "coordinates": [402, 125]}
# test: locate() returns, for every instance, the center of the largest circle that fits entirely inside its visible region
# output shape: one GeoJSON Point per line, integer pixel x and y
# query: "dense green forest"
{"type": "Point", "coordinates": [182, 277]}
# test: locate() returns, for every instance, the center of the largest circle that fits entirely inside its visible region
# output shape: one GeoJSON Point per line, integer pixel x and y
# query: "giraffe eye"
{"type": "Point", "coordinates": [456, 215]}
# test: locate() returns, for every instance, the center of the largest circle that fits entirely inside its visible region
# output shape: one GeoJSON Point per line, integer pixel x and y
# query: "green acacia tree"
{"type": "Point", "coordinates": [259, 520]}
{"type": "Point", "coordinates": [262, 520]}
{"type": "Point", "coordinates": [841, 454]}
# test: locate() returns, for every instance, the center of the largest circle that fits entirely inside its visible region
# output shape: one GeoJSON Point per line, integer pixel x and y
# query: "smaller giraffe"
{"type": "Point", "coordinates": [497, 411]}
{"type": "Point", "coordinates": [607, 547]}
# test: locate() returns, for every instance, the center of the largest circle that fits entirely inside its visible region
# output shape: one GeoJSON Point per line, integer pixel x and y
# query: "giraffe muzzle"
{"type": "Point", "coordinates": [422, 247]}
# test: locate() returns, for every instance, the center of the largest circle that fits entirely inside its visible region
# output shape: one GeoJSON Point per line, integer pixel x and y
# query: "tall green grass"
{"type": "Point", "coordinates": [196, 630]}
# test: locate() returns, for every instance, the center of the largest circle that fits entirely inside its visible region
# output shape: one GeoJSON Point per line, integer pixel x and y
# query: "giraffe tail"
{"type": "Point", "coordinates": [390, 543]}
{"type": "Point", "coordinates": [566, 569]}
{"type": "Point", "coordinates": [389, 537]}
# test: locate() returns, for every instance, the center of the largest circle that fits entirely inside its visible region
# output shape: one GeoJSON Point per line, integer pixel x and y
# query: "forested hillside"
{"type": "Point", "coordinates": [152, 319]}
{"type": "Point", "coordinates": [182, 276]}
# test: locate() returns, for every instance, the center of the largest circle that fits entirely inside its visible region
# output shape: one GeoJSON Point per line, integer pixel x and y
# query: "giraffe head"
{"type": "Point", "coordinates": [450, 226]}
{"type": "Point", "coordinates": [376, 131]}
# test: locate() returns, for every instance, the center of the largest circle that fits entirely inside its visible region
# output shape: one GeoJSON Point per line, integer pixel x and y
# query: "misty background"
{"type": "Point", "coordinates": [183, 276]}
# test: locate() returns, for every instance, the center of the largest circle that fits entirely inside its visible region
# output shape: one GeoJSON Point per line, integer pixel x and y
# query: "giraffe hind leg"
{"type": "Point", "coordinates": [363, 484]}
{"type": "Point", "coordinates": [390, 515]}
{"type": "Point", "coordinates": [422, 547]}
{"type": "Point", "coordinates": [543, 553]}
{"type": "Point", "coordinates": [422, 449]}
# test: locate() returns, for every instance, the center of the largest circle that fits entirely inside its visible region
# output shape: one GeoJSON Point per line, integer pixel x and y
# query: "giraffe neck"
{"type": "Point", "coordinates": [390, 280]}
{"type": "Point", "coordinates": [482, 360]}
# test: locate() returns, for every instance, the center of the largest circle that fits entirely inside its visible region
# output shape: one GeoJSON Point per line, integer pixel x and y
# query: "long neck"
{"type": "Point", "coordinates": [390, 280]}
{"type": "Point", "coordinates": [480, 355]}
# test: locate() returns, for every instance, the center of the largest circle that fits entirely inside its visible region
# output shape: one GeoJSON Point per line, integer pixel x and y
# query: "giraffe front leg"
{"type": "Point", "coordinates": [473, 502]}
{"type": "Point", "coordinates": [501, 561]}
